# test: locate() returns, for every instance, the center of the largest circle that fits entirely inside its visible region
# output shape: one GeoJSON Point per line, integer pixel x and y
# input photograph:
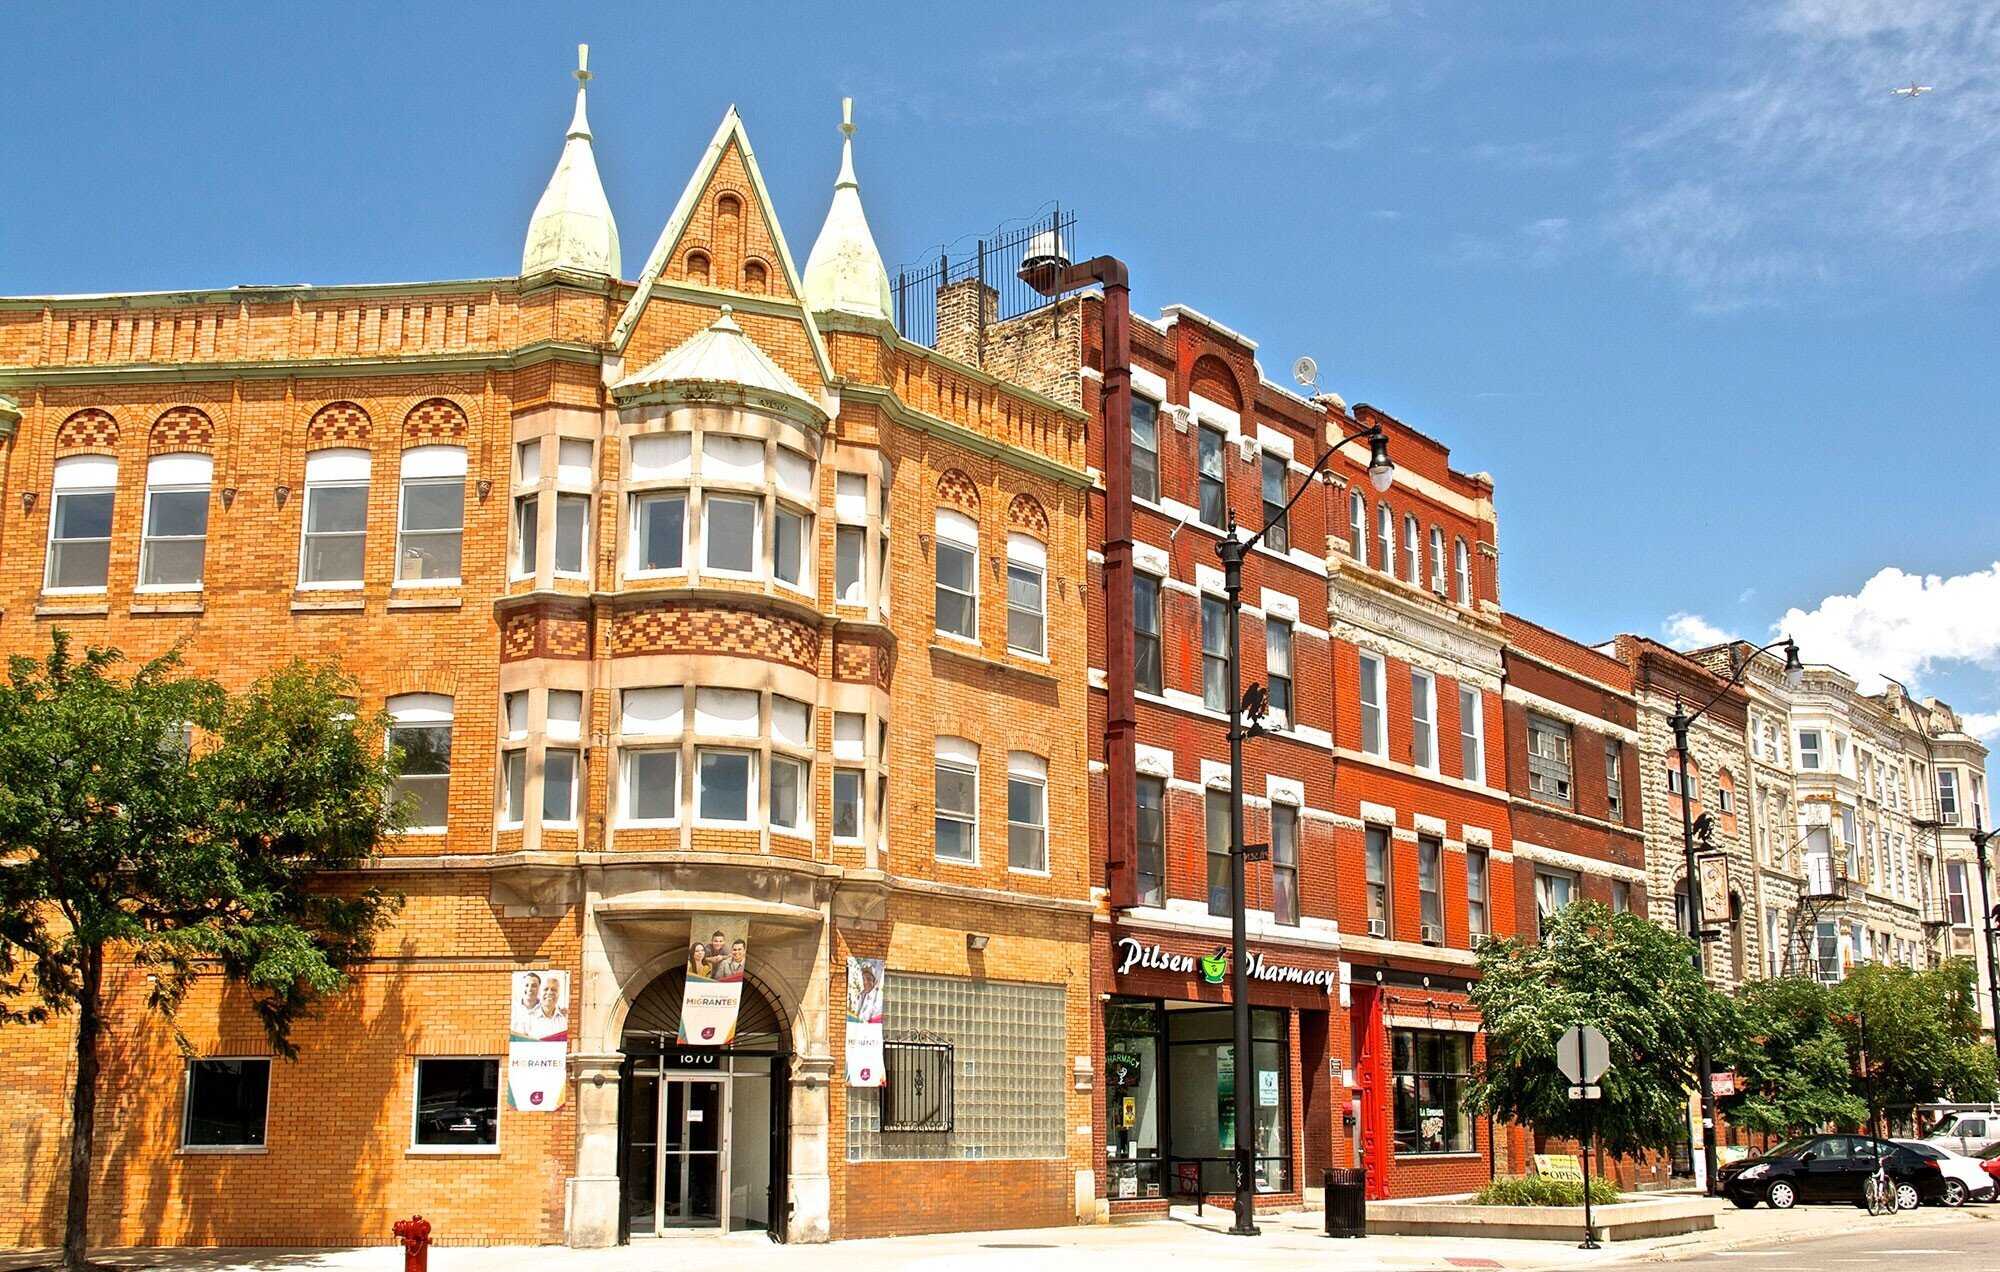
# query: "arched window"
{"type": "Point", "coordinates": [1027, 812]}
{"type": "Point", "coordinates": [1437, 560]}
{"type": "Point", "coordinates": [1462, 566]}
{"type": "Point", "coordinates": [697, 267]}
{"type": "Point", "coordinates": [1413, 551]}
{"type": "Point", "coordinates": [755, 278]}
{"type": "Point", "coordinates": [430, 526]}
{"type": "Point", "coordinates": [1027, 588]}
{"type": "Point", "coordinates": [957, 549]}
{"type": "Point", "coordinates": [80, 524]}
{"type": "Point", "coordinates": [420, 727]}
{"type": "Point", "coordinates": [1357, 526]}
{"type": "Point", "coordinates": [956, 791]}
{"type": "Point", "coordinates": [1385, 539]}
{"type": "Point", "coordinates": [334, 518]}
{"type": "Point", "coordinates": [174, 545]}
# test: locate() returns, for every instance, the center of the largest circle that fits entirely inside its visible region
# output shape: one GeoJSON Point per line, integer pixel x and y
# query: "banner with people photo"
{"type": "Point", "coordinates": [718, 951]}
{"type": "Point", "coordinates": [864, 1022]}
{"type": "Point", "coordinates": [538, 1040]}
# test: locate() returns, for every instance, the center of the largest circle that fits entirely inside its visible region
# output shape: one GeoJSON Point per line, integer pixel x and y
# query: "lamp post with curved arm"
{"type": "Point", "coordinates": [1680, 722]}
{"type": "Point", "coordinates": [1232, 550]}
{"type": "Point", "coordinates": [1988, 912]}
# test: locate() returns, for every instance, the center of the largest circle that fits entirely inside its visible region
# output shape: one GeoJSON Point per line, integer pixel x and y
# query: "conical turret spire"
{"type": "Point", "coordinates": [845, 270]}
{"type": "Point", "coordinates": [572, 227]}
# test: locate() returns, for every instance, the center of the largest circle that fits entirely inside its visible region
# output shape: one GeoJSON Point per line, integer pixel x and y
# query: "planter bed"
{"type": "Point", "coordinates": [1631, 1220]}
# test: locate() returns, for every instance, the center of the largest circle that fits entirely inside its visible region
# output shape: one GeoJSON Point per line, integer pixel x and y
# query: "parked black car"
{"type": "Point", "coordinates": [1817, 1168]}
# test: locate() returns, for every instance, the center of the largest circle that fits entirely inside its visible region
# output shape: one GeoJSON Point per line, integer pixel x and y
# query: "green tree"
{"type": "Point", "coordinates": [1631, 978]}
{"type": "Point", "coordinates": [156, 818]}
{"type": "Point", "coordinates": [1918, 1031]}
{"type": "Point", "coordinates": [1791, 1061]}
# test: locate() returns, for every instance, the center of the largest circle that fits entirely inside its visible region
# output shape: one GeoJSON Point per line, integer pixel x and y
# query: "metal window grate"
{"type": "Point", "coordinates": [917, 1091]}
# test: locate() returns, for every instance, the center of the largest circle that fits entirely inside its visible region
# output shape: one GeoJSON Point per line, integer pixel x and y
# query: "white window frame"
{"type": "Point", "coordinates": [1948, 808]}
{"type": "Point", "coordinates": [1374, 675]}
{"type": "Point", "coordinates": [630, 753]}
{"type": "Point", "coordinates": [175, 474]}
{"type": "Point", "coordinates": [780, 509]}
{"type": "Point", "coordinates": [956, 755]}
{"type": "Point", "coordinates": [569, 820]}
{"type": "Point", "coordinates": [333, 468]}
{"type": "Point", "coordinates": [1462, 564]}
{"type": "Point", "coordinates": [434, 466]}
{"type": "Point", "coordinates": [1437, 560]}
{"type": "Point", "coordinates": [1472, 707]}
{"type": "Point", "coordinates": [499, 1106]}
{"type": "Point", "coordinates": [79, 475]}
{"type": "Point", "coordinates": [960, 533]}
{"type": "Point", "coordinates": [801, 823]}
{"type": "Point", "coordinates": [1032, 772]}
{"type": "Point", "coordinates": [425, 710]}
{"type": "Point", "coordinates": [854, 591]}
{"type": "Point", "coordinates": [1281, 862]}
{"type": "Point", "coordinates": [635, 567]}
{"type": "Point", "coordinates": [1413, 549]}
{"type": "Point", "coordinates": [710, 498]}
{"type": "Point", "coordinates": [513, 816]}
{"type": "Point", "coordinates": [1385, 538]}
{"type": "Point", "coordinates": [1357, 526]}
{"type": "Point", "coordinates": [1280, 667]}
{"type": "Point", "coordinates": [1815, 752]}
{"type": "Point", "coordinates": [1423, 720]}
{"type": "Point", "coordinates": [1030, 557]}
{"type": "Point", "coordinates": [859, 778]}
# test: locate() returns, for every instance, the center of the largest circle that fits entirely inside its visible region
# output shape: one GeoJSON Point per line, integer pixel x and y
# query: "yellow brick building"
{"type": "Point", "coordinates": [700, 596]}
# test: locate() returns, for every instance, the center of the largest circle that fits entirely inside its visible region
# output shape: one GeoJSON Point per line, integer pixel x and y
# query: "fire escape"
{"type": "Point", "coordinates": [1925, 828]}
{"type": "Point", "coordinates": [1825, 887]}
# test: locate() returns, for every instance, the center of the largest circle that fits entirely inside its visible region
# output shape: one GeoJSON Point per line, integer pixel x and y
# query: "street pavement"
{"type": "Point", "coordinates": [1825, 1238]}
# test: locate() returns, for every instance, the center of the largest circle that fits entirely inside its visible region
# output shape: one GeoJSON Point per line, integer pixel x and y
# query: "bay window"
{"type": "Point", "coordinates": [729, 534]}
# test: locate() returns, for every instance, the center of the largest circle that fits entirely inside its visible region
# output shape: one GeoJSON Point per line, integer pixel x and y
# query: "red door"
{"type": "Point", "coordinates": [1372, 1084]}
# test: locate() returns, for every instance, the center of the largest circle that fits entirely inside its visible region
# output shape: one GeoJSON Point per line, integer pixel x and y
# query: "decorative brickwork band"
{"type": "Point", "coordinates": [88, 430]}
{"type": "Point", "coordinates": [182, 428]}
{"type": "Point", "coordinates": [435, 420]}
{"type": "Point", "coordinates": [337, 424]}
{"type": "Point", "coordinates": [544, 634]}
{"type": "Point", "coordinates": [1026, 514]}
{"type": "Point", "coordinates": [957, 490]}
{"type": "Point", "coordinates": [860, 660]}
{"type": "Point", "coordinates": [720, 630]}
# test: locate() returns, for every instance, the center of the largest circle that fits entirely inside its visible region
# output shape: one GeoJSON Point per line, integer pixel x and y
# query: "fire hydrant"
{"type": "Point", "coordinates": [415, 1234]}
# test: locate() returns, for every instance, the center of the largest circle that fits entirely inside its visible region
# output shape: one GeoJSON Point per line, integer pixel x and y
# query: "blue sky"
{"type": "Point", "coordinates": [1715, 308]}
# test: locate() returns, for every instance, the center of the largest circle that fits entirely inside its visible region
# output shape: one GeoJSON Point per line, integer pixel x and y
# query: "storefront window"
{"type": "Point", "coordinates": [1132, 1097]}
{"type": "Point", "coordinates": [1430, 1069]}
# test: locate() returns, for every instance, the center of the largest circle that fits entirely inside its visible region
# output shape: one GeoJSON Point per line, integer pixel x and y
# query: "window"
{"type": "Point", "coordinates": [1437, 560]}
{"type": "Point", "coordinates": [847, 803]}
{"type": "Point", "coordinates": [1548, 760]}
{"type": "Point", "coordinates": [1429, 1069]}
{"type": "Point", "coordinates": [1476, 919]}
{"type": "Point", "coordinates": [1215, 687]}
{"type": "Point", "coordinates": [1614, 781]}
{"type": "Point", "coordinates": [80, 524]}
{"type": "Point", "coordinates": [1152, 836]}
{"type": "Point", "coordinates": [1385, 539]}
{"type": "Point", "coordinates": [1621, 897]}
{"type": "Point", "coordinates": [1278, 670]}
{"type": "Point", "coordinates": [788, 791]}
{"type": "Point", "coordinates": [176, 532]}
{"type": "Point", "coordinates": [1277, 536]}
{"type": "Point", "coordinates": [527, 534]}
{"type": "Point", "coordinates": [1212, 497]}
{"type": "Point", "coordinates": [653, 784]}
{"type": "Point", "coordinates": [1378, 881]}
{"type": "Point", "coordinates": [957, 546]}
{"type": "Point", "coordinates": [1461, 561]}
{"type": "Point", "coordinates": [917, 1086]}
{"type": "Point", "coordinates": [335, 518]}
{"type": "Point", "coordinates": [1725, 797]}
{"type": "Point", "coordinates": [227, 1104]}
{"type": "Point", "coordinates": [559, 774]}
{"type": "Point", "coordinates": [1423, 720]}
{"type": "Point", "coordinates": [1471, 735]}
{"type": "Point", "coordinates": [420, 729]}
{"type": "Point", "coordinates": [1554, 890]}
{"type": "Point", "coordinates": [850, 548]}
{"type": "Point", "coordinates": [457, 1104]}
{"type": "Point", "coordinates": [1809, 748]}
{"type": "Point", "coordinates": [1216, 830]}
{"type": "Point", "coordinates": [1957, 900]}
{"type": "Point", "coordinates": [430, 525]}
{"type": "Point", "coordinates": [574, 471]}
{"type": "Point", "coordinates": [1145, 449]}
{"type": "Point", "coordinates": [513, 787]}
{"type": "Point", "coordinates": [1948, 796]}
{"type": "Point", "coordinates": [1027, 617]}
{"type": "Point", "coordinates": [1430, 889]}
{"type": "Point", "coordinates": [1413, 552]}
{"type": "Point", "coordinates": [1374, 737]}
{"type": "Point", "coordinates": [1285, 863]}
{"type": "Point", "coordinates": [790, 532]}
{"type": "Point", "coordinates": [659, 532]}
{"type": "Point", "coordinates": [1146, 633]}
{"type": "Point", "coordinates": [1357, 526]}
{"type": "Point", "coordinates": [957, 795]}
{"type": "Point", "coordinates": [1027, 813]}
{"type": "Point", "coordinates": [729, 534]}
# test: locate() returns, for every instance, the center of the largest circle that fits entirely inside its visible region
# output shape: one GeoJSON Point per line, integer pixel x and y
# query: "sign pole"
{"type": "Point", "coordinates": [1589, 1138]}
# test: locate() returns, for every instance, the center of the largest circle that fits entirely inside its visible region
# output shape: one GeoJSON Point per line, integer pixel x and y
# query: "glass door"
{"type": "Point", "coordinates": [693, 1155]}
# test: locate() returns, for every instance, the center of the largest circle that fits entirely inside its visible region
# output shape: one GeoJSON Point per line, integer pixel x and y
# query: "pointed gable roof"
{"type": "Point", "coordinates": [728, 157]}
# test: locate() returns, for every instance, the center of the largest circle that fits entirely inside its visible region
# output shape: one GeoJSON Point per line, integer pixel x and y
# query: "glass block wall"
{"type": "Point", "coordinates": [1007, 1070]}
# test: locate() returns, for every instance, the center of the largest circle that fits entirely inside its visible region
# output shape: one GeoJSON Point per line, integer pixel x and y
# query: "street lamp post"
{"type": "Point", "coordinates": [1680, 722]}
{"type": "Point", "coordinates": [1980, 838]}
{"type": "Point", "coordinates": [1232, 550]}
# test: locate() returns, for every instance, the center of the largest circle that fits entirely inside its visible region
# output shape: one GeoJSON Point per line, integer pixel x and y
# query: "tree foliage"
{"type": "Point", "coordinates": [1632, 979]}
{"type": "Point", "coordinates": [1918, 1031]}
{"type": "Point", "coordinates": [1790, 1060]}
{"type": "Point", "coordinates": [154, 817]}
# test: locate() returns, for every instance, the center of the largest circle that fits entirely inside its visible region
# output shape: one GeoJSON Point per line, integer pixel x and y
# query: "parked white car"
{"type": "Point", "coordinates": [1965, 1178]}
{"type": "Point", "coordinates": [1967, 1131]}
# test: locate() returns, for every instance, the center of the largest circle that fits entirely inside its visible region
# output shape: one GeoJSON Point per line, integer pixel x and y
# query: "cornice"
{"type": "Point", "coordinates": [886, 401]}
{"type": "Point", "coordinates": [527, 355]}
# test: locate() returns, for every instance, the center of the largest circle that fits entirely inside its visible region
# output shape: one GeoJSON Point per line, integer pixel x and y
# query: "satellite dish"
{"type": "Point", "coordinates": [1306, 372]}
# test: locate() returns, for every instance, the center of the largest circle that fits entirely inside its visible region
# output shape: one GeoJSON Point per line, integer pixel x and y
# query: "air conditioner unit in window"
{"type": "Point", "coordinates": [1377, 927]}
{"type": "Point", "coordinates": [1433, 934]}
{"type": "Point", "coordinates": [1480, 938]}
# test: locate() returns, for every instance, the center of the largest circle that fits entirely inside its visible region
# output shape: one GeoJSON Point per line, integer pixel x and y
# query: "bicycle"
{"type": "Point", "coordinates": [1878, 1193]}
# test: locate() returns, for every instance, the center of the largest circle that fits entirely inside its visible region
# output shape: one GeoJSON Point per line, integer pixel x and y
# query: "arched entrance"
{"type": "Point", "coordinates": [702, 1131]}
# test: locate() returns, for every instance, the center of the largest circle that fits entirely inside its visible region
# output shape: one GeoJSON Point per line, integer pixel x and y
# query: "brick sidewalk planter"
{"type": "Point", "coordinates": [1621, 1221]}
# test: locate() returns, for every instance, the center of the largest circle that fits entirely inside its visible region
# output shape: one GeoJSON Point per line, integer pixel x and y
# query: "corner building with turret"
{"type": "Point", "coordinates": [641, 572]}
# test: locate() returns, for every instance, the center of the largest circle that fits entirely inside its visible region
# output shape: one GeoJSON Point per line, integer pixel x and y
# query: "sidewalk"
{"type": "Point", "coordinates": [1288, 1241]}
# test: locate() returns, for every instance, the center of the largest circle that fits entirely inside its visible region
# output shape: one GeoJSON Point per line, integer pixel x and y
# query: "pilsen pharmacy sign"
{"type": "Point", "coordinates": [1214, 967]}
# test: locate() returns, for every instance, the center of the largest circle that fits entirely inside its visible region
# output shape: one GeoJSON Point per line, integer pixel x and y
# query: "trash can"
{"type": "Point", "coordinates": [1346, 1203]}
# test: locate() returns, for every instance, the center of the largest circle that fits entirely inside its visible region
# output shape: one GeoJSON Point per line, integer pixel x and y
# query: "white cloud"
{"type": "Point", "coordinates": [1904, 626]}
{"type": "Point", "coordinates": [1691, 631]}
{"type": "Point", "coordinates": [1536, 244]}
{"type": "Point", "coordinates": [1746, 596]}
{"type": "Point", "coordinates": [1984, 725]}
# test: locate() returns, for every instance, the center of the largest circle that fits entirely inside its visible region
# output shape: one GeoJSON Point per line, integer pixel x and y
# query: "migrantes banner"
{"type": "Point", "coordinates": [538, 1041]}
{"type": "Point", "coordinates": [864, 1022]}
{"type": "Point", "coordinates": [718, 949]}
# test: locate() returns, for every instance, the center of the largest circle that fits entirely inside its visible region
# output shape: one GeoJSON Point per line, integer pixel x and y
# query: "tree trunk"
{"type": "Point", "coordinates": [83, 1113]}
